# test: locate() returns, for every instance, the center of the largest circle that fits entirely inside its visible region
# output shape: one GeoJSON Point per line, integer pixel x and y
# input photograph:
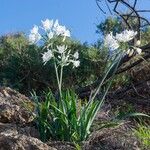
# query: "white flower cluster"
{"type": "Point", "coordinates": [51, 28]}
{"type": "Point", "coordinates": [125, 36]}
{"type": "Point", "coordinates": [113, 42]}
{"type": "Point", "coordinates": [34, 35]}
{"type": "Point", "coordinates": [62, 56]}
{"type": "Point", "coordinates": [47, 56]}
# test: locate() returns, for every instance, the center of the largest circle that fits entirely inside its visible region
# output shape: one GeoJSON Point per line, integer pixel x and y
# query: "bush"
{"type": "Point", "coordinates": [22, 67]}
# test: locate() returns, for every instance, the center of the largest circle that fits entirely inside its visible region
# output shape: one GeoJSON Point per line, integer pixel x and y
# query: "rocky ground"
{"type": "Point", "coordinates": [18, 131]}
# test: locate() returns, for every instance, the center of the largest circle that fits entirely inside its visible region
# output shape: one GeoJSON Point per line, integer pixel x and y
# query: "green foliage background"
{"type": "Point", "coordinates": [22, 67]}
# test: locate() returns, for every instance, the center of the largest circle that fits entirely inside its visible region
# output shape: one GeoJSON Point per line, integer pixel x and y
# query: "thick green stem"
{"type": "Point", "coordinates": [112, 69]}
{"type": "Point", "coordinates": [61, 75]}
{"type": "Point", "coordinates": [57, 76]}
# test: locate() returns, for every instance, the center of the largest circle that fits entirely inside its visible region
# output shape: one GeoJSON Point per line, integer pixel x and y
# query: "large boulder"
{"type": "Point", "coordinates": [17, 128]}
{"type": "Point", "coordinates": [14, 107]}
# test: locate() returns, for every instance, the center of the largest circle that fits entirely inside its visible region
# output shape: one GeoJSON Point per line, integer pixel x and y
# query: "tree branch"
{"type": "Point", "coordinates": [85, 91]}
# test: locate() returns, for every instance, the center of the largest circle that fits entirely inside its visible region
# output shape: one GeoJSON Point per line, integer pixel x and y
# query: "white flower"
{"type": "Point", "coordinates": [125, 36]}
{"type": "Point", "coordinates": [61, 49]}
{"type": "Point", "coordinates": [38, 37]}
{"type": "Point", "coordinates": [76, 55]}
{"type": "Point", "coordinates": [47, 24]}
{"type": "Point", "coordinates": [56, 23]}
{"type": "Point", "coordinates": [66, 33]}
{"type": "Point", "coordinates": [34, 30]}
{"type": "Point", "coordinates": [33, 38]}
{"type": "Point", "coordinates": [47, 56]}
{"type": "Point", "coordinates": [50, 35]}
{"type": "Point", "coordinates": [111, 42]}
{"type": "Point", "coordinates": [138, 50]}
{"type": "Point", "coordinates": [138, 43]}
{"type": "Point", "coordinates": [61, 30]}
{"type": "Point", "coordinates": [76, 63]}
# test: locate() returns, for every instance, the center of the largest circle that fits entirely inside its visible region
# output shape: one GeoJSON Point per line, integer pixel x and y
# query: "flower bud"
{"type": "Point", "coordinates": [139, 51]}
{"type": "Point", "coordinates": [138, 43]}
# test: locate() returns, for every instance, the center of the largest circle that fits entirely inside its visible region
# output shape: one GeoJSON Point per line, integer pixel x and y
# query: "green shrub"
{"type": "Point", "coordinates": [22, 67]}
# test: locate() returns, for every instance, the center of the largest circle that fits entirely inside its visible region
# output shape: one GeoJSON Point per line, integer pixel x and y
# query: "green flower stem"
{"type": "Point", "coordinates": [61, 75]}
{"type": "Point", "coordinates": [57, 76]}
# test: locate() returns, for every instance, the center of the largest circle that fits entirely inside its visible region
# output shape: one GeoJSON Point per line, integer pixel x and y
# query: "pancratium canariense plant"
{"type": "Point", "coordinates": [60, 54]}
{"type": "Point", "coordinates": [63, 119]}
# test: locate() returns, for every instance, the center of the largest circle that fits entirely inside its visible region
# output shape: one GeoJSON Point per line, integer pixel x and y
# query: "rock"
{"type": "Point", "coordinates": [62, 145]}
{"type": "Point", "coordinates": [14, 129]}
{"type": "Point", "coordinates": [17, 129]}
{"type": "Point", "coordinates": [8, 129]}
{"type": "Point", "coordinates": [14, 117]}
{"type": "Point", "coordinates": [120, 138]}
{"type": "Point", "coordinates": [14, 113]}
{"type": "Point", "coordinates": [21, 142]}
{"type": "Point", "coordinates": [13, 107]}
